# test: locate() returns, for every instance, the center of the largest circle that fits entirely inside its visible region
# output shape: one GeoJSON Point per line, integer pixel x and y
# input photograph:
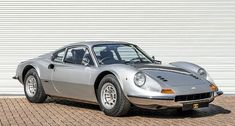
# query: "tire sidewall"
{"type": "Point", "coordinates": [39, 90]}
{"type": "Point", "coordinates": [113, 80]}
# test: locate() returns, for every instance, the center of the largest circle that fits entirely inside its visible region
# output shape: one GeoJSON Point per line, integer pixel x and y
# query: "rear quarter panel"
{"type": "Point", "coordinates": [41, 66]}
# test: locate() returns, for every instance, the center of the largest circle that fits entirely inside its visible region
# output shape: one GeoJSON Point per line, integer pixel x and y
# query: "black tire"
{"type": "Point", "coordinates": [122, 104]}
{"type": "Point", "coordinates": [39, 95]}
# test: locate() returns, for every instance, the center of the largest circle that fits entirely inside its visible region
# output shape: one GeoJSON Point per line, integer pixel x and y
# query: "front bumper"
{"type": "Point", "coordinates": [15, 77]}
{"type": "Point", "coordinates": [167, 101]}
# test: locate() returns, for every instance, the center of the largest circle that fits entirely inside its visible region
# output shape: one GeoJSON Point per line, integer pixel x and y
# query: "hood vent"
{"type": "Point", "coordinates": [162, 79]}
{"type": "Point", "coordinates": [174, 78]}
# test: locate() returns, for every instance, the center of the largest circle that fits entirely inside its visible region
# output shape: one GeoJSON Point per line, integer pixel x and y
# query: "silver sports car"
{"type": "Point", "coordinates": [115, 75]}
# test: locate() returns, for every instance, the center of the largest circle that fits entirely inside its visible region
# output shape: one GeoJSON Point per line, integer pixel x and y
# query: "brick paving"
{"type": "Point", "coordinates": [18, 111]}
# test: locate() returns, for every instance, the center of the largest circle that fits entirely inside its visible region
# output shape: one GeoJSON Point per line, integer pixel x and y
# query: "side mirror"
{"type": "Point", "coordinates": [156, 61]}
{"type": "Point", "coordinates": [85, 61]}
{"type": "Point", "coordinates": [153, 57]}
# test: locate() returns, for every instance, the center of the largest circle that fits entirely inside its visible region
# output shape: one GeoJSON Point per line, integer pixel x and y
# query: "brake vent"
{"type": "Point", "coordinates": [162, 78]}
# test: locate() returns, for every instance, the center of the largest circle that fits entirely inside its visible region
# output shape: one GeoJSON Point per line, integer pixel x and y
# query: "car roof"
{"type": "Point", "coordinates": [92, 43]}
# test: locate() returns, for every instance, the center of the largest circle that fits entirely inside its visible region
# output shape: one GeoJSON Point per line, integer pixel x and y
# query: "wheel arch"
{"type": "Point", "coordinates": [27, 68]}
{"type": "Point", "coordinates": [101, 76]}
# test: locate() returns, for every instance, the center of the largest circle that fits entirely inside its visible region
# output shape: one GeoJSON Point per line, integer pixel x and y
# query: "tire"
{"type": "Point", "coordinates": [121, 105]}
{"type": "Point", "coordinates": [33, 89]}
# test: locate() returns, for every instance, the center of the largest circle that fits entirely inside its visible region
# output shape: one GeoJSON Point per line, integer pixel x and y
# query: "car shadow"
{"type": "Point", "coordinates": [161, 113]}
{"type": "Point", "coordinates": [73, 103]}
{"type": "Point", "coordinates": [177, 113]}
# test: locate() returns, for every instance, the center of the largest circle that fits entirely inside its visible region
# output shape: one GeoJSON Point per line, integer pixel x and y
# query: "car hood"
{"type": "Point", "coordinates": [171, 76]}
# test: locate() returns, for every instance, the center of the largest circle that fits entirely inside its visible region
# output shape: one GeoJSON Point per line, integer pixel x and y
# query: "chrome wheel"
{"type": "Point", "coordinates": [31, 86]}
{"type": "Point", "coordinates": [108, 95]}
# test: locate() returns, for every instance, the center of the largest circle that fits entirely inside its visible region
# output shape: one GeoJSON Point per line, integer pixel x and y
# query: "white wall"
{"type": "Point", "coordinates": [199, 31]}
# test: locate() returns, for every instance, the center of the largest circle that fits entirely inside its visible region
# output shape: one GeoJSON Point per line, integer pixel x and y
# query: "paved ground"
{"type": "Point", "coordinates": [18, 111]}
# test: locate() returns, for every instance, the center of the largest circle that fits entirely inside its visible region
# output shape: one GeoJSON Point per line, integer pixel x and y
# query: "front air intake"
{"type": "Point", "coordinates": [193, 97]}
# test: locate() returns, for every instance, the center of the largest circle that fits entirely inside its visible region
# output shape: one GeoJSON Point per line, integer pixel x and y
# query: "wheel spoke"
{"type": "Point", "coordinates": [31, 85]}
{"type": "Point", "coordinates": [108, 95]}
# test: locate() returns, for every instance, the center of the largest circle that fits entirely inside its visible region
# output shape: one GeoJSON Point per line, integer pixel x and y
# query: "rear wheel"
{"type": "Point", "coordinates": [33, 89]}
{"type": "Point", "coordinates": [111, 98]}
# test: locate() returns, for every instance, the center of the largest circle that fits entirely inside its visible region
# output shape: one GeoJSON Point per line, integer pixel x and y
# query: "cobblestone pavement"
{"type": "Point", "coordinates": [18, 111]}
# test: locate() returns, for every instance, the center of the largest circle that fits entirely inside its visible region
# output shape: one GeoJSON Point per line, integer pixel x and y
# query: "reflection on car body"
{"type": "Point", "coordinates": [115, 75]}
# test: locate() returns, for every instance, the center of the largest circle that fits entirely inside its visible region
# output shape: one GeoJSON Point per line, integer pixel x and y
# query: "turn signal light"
{"type": "Point", "coordinates": [167, 91]}
{"type": "Point", "coordinates": [213, 87]}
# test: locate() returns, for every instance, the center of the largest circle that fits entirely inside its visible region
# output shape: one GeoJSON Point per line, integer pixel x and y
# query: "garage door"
{"type": "Point", "coordinates": [199, 31]}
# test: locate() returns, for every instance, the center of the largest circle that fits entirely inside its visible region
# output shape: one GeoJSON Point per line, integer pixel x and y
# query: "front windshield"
{"type": "Point", "coordinates": [119, 54]}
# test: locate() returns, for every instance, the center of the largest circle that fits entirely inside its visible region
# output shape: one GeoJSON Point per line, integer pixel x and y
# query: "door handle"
{"type": "Point", "coordinates": [51, 66]}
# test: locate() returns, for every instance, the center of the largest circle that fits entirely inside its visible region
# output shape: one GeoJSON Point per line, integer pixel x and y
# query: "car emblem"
{"type": "Point", "coordinates": [193, 88]}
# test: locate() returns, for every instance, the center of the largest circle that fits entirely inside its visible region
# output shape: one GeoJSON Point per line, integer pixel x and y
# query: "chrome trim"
{"type": "Point", "coordinates": [15, 77]}
{"type": "Point", "coordinates": [211, 95]}
{"type": "Point", "coordinates": [144, 101]}
{"type": "Point", "coordinates": [73, 99]}
{"type": "Point", "coordinates": [218, 93]}
{"type": "Point", "coordinates": [197, 101]}
{"type": "Point", "coordinates": [164, 101]}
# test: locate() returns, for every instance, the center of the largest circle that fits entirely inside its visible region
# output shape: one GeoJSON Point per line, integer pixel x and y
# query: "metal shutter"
{"type": "Point", "coordinates": [199, 31]}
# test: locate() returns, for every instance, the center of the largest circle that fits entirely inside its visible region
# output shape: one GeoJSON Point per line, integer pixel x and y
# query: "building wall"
{"type": "Point", "coordinates": [198, 31]}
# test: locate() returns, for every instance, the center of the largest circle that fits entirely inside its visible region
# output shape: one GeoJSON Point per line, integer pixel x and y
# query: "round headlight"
{"type": "Point", "coordinates": [139, 79]}
{"type": "Point", "coordinates": [202, 73]}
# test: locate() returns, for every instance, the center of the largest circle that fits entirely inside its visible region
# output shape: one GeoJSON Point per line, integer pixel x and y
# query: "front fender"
{"type": "Point", "coordinates": [187, 66]}
{"type": "Point", "coordinates": [191, 68]}
{"type": "Point", "coordinates": [123, 73]}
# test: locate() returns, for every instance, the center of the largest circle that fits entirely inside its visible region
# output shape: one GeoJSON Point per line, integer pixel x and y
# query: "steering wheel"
{"type": "Point", "coordinates": [105, 58]}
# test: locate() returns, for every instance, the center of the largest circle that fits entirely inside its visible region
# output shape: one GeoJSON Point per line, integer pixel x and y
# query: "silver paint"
{"type": "Point", "coordinates": [77, 81]}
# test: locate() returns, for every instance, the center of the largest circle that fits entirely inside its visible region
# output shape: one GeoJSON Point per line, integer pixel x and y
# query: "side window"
{"type": "Point", "coordinates": [78, 55]}
{"type": "Point", "coordinates": [98, 50]}
{"type": "Point", "coordinates": [69, 56]}
{"type": "Point", "coordinates": [58, 57]}
{"type": "Point", "coordinates": [87, 60]}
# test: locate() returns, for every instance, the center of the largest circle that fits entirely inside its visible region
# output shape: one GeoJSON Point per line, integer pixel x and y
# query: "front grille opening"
{"type": "Point", "coordinates": [193, 97]}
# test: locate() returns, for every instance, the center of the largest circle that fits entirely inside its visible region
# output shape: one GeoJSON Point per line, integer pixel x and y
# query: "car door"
{"type": "Point", "coordinates": [71, 76]}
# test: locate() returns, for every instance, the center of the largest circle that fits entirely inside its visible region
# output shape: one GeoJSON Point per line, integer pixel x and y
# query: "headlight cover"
{"type": "Point", "coordinates": [139, 79]}
{"type": "Point", "coordinates": [202, 72]}
{"type": "Point", "coordinates": [208, 77]}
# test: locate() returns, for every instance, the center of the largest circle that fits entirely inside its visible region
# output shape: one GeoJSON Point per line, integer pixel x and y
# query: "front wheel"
{"type": "Point", "coordinates": [33, 89]}
{"type": "Point", "coordinates": [111, 98]}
